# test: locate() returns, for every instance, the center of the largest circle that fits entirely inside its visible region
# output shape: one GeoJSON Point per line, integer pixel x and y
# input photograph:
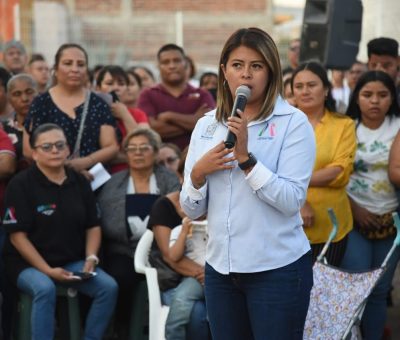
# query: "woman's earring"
{"type": "Point", "coordinates": [225, 82]}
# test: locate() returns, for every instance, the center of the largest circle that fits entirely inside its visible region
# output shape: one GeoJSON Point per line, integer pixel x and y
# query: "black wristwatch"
{"type": "Point", "coordinates": [249, 163]}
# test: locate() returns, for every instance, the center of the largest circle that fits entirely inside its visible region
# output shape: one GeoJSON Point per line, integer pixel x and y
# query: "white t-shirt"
{"type": "Point", "coordinates": [195, 248]}
{"type": "Point", "coordinates": [369, 184]}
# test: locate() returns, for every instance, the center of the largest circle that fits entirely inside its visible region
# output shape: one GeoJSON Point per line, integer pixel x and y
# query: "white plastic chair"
{"type": "Point", "coordinates": [157, 311]}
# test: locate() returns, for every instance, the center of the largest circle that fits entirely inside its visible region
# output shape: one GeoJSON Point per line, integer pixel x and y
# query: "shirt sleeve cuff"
{"type": "Point", "coordinates": [196, 194]}
{"type": "Point", "coordinates": [258, 176]}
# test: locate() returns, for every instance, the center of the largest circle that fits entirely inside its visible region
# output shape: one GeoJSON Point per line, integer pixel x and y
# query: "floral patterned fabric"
{"type": "Point", "coordinates": [369, 184]}
{"type": "Point", "coordinates": [335, 297]}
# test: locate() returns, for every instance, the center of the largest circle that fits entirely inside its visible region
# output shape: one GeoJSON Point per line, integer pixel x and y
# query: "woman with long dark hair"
{"type": "Point", "coordinates": [336, 144]}
{"type": "Point", "coordinates": [374, 108]}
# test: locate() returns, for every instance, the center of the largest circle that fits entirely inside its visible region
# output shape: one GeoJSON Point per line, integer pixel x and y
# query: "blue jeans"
{"type": "Point", "coordinates": [364, 254]}
{"type": "Point", "coordinates": [185, 296]}
{"type": "Point", "coordinates": [266, 305]}
{"type": "Point", "coordinates": [198, 328]}
{"type": "Point", "coordinates": [102, 288]}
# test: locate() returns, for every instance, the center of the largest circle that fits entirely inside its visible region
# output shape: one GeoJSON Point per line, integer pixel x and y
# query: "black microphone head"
{"type": "Point", "coordinates": [243, 90]}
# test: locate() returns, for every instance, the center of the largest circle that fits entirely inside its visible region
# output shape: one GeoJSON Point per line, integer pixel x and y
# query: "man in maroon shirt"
{"type": "Point", "coordinates": [174, 106]}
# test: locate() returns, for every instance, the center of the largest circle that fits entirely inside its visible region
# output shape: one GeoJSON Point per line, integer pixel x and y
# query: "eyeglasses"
{"type": "Point", "coordinates": [168, 160]}
{"type": "Point", "coordinates": [48, 147]}
{"type": "Point", "coordinates": [141, 148]}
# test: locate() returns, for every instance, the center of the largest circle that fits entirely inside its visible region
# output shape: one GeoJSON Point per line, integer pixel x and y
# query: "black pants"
{"type": "Point", "coordinates": [334, 254]}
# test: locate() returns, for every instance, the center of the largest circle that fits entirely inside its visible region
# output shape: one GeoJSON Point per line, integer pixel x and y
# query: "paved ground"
{"type": "Point", "coordinates": [393, 321]}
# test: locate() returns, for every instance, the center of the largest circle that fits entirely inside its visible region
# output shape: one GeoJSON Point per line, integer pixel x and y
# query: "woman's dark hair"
{"type": "Point", "coordinates": [182, 160]}
{"type": "Point", "coordinates": [116, 72]}
{"type": "Point", "coordinates": [173, 147]}
{"type": "Point", "coordinates": [134, 75]}
{"type": "Point", "coordinates": [288, 81]}
{"type": "Point", "coordinates": [353, 110]}
{"type": "Point", "coordinates": [320, 72]}
{"type": "Point", "coordinates": [64, 47]}
{"type": "Point", "coordinates": [43, 128]}
{"type": "Point", "coordinates": [145, 69]}
{"type": "Point", "coordinates": [205, 75]}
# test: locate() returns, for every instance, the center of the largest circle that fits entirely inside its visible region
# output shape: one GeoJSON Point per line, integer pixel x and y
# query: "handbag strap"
{"type": "Point", "coordinates": [82, 125]}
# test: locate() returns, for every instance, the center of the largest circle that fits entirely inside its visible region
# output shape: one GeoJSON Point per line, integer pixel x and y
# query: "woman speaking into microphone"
{"type": "Point", "coordinates": [258, 274]}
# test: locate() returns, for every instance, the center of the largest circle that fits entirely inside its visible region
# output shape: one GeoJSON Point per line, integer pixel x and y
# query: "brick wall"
{"type": "Point", "coordinates": [91, 7]}
{"type": "Point", "coordinates": [137, 28]}
{"type": "Point", "coordinates": [208, 6]}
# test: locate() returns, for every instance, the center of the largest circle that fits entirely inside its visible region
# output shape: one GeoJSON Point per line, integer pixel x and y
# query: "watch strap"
{"type": "Point", "coordinates": [249, 163]}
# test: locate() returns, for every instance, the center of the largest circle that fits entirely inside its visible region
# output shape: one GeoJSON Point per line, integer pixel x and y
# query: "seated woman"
{"type": "Point", "coordinates": [165, 215]}
{"type": "Point", "coordinates": [54, 230]}
{"type": "Point", "coordinates": [125, 203]}
{"type": "Point", "coordinates": [84, 117]}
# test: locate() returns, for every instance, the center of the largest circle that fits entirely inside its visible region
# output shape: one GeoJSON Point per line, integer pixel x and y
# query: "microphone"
{"type": "Point", "coordinates": [242, 94]}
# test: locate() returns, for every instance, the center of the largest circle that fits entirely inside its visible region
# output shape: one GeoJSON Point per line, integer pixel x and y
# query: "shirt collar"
{"type": "Point", "coordinates": [281, 108]}
{"type": "Point", "coordinates": [41, 177]}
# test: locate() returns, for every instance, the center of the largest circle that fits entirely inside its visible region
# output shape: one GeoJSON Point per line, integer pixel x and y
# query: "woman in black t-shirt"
{"type": "Point", "coordinates": [165, 215]}
{"type": "Point", "coordinates": [53, 231]}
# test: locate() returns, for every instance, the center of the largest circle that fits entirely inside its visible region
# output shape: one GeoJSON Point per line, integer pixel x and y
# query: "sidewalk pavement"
{"type": "Point", "coordinates": [393, 319]}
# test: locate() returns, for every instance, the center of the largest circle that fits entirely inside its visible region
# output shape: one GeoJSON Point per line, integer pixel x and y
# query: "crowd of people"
{"type": "Point", "coordinates": [308, 139]}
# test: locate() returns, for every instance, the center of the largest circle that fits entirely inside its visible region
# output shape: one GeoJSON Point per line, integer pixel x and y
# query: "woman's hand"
{"type": "Point", "coordinates": [89, 267]}
{"type": "Point", "coordinates": [78, 164]}
{"type": "Point", "coordinates": [364, 218]}
{"type": "Point", "coordinates": [238, 125]}
{"type": "Point", "coordinates": [187, 226]}
{"type": "Point", "coordinates": [214, 160]}
{"type": "Point", "coordinates": [119, 110]}
{"type": "Point", "coordinates": [307, 214]}
{"type": "Point", "coordinates": [60, 274]}
{"type": "Point", "coordinates": [199, 275]}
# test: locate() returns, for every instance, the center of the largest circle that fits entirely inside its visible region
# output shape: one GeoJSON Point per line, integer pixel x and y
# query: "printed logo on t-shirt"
{"type": "Point", "coordinates": [210, 130]}
{"type": "Point", "coordinates": [9, 216]}
{"type": "Point", "coordinates": [47, 209]}
{"type": "Point", "coordinates": [194, 95]}
{"type": "Point", "coordinates": [267, 132]}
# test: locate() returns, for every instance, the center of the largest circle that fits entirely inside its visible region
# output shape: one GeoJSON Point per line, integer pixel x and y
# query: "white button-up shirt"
{"type": "Point", "coordinates": [254, 222]}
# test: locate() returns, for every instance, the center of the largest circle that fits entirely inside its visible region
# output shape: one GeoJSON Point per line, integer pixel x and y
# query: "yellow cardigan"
{"type": "Point", "coordinates": [336, 146]}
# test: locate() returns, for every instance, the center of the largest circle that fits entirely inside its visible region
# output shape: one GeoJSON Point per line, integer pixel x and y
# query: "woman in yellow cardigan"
{"type": "Point", "coordinates": [336, 145]}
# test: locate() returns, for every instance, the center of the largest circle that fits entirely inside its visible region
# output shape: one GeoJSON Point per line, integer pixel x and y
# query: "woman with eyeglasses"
{"type": "Point", "coordinates": [54, 231]}
{"type": "Point", "coordinates": [169, 156]}
{"type": "Point", "coordinates": [84, 117]}
{"type": "Point", "coordinates": [125, 202]}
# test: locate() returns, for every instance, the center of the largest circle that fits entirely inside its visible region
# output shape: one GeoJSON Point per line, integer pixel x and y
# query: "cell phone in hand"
{"type": "Point", "coordinates": [83, 275]}
{"type": "Point", "coordinates": [114, 96]}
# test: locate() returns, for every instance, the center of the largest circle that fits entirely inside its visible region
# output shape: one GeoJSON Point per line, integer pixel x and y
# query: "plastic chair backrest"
{"type": "Point", "coordinates": [157, 312]}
